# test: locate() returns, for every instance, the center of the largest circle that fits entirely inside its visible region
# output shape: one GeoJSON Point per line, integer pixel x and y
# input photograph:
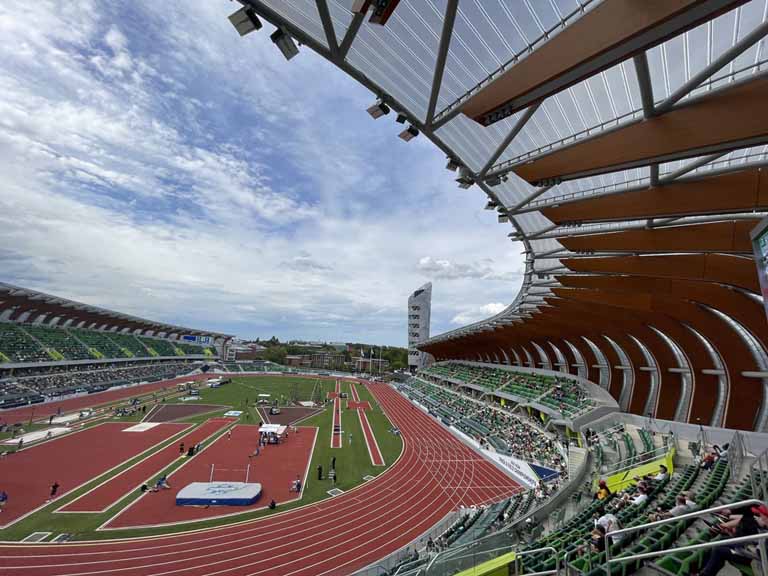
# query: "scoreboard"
{"type": "Point", "coordinates": [201, 340]}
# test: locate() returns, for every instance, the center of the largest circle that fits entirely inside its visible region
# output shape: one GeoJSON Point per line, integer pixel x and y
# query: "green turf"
{"type": "Point", "coordinates": [352, 462]}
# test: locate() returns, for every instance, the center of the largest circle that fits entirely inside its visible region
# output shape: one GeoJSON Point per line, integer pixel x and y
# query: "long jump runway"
{"type": "Point", "coordinates": [435, 474]}
{"type": "Point", "coordinates": [71, 461]}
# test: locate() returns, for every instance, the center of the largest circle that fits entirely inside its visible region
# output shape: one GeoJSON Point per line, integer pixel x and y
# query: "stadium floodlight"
{"type": "Point", "coordinates": [409, 133]}
{"type": "Point", "coordinates": [503, 218]}
{"type": "Point", "coordinates": [379, 109]}
{"type": "Point", "coordinates": [492, 205]}
{"type": "Point", "coordinates": [493, 181]}
{"type": "Point", "coordinates": [401, 118]}
{"type": "Point", "coordinates": [465, 179]}
{"type": "Point", "coordinates": [285, 43]}
{"type": "Point", "coordinates": [452, 165]}
{"type": "Point", "coordinates": [245, 21]}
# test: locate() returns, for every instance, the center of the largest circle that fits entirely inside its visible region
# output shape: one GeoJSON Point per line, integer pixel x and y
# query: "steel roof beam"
{"type": "Point", "coordinates": [665, 179]}
{"type": "Point", "coordinates": [566, 231]}
{"type": "Point", "coordinates": [330, 33]}
{"type": "Point", "coordinates": [442, 55]}
{"type": "Point", "coordinates": [608, 34]}
{"type": "Point", "coordinates": [683, 132]}
{"type": "Point", "coordinates": [724, 59]}
{"type": "Point", "coordinates": [646, 86]}
{"type": "Point", "coordinates": [514, 131]}
{"type": "Point", "coordinates": [350, 35]}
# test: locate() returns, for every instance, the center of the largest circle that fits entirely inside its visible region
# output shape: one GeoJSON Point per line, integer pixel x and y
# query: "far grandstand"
{"type": "Point", "coordinates": [51, 348]}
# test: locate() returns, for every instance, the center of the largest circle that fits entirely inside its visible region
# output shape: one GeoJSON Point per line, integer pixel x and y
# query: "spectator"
{"type": "Point", "coordinates": [747, 523]}
{"type": "Point", "coordinates": [603, 492]}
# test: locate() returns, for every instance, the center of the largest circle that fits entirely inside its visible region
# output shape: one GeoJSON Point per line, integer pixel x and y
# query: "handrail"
{"type": "Point", "coordinates": [690, 515]}
{"type": "Point", "coordinates": [648, 456]}
{"type": "Point", "coordinates": [519, 555]}
{"type": "Point", "coordinates": [716, 544]}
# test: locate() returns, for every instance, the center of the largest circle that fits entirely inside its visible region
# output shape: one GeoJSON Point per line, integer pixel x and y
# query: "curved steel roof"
{"type": "Point", "coordinates": [627, 151]}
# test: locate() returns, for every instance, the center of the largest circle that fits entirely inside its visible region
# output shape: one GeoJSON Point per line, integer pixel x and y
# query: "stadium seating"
{"type": "Point", "coordinates": [561, 394]}
{"type": "Point", "coordinates": [20, 390]}
{"type": "Point", "coordinates": [157, 347]}
{"type": "Point", "coordinates": [130, 345]}
{"type": "Point", "coordinates": [59, 343]}
{"type": "Point", "coordinates": [38, 343]}
{"type": "Point", "coordinates": [17, 346]}
{"type": "Point", "coordinates": [99, 343]}
{"type": "Point", "coordinates": [191, 349]}
{"type": "Point", "coordinates": [499, 428]}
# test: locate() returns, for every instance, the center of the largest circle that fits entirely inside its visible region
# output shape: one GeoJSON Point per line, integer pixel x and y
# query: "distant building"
{"type": "Point", "coordinates": [323, 360]}
{"type": "Point", "coordinates": [419, 310]}
{"type": "Point", "coordinates": [245, 351]}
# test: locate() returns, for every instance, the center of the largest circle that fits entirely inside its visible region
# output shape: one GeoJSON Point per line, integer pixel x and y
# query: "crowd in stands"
{"type": "Point", "coordinates": [490, 425]}
{"type": "Point", "coordinates": [63, 380]}
{"type": "Point", "coordinates": [563, 395]}
{"type": "Point", "coordinates": [38, 343]}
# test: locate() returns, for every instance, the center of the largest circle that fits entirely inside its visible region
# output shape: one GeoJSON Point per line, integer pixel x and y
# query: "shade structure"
{"type": "Point", "coordinates": [625, 150]}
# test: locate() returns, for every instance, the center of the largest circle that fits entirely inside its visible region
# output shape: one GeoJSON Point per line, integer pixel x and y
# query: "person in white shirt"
{"type": "Point", "coordinates": [611, 524]}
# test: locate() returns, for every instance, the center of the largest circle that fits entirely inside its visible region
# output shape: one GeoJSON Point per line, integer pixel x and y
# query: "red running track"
{"type": "Point", "coordinates": [71, 461]}
{"type": "Point", "coordinates": [275, 468]}
{"type": "Point", "coordinates": [370, 438]}
{"type": "Point", "coordinates": [435, 474]}
{"type": "Point", "coordinates": [116, 488]}
{"type": "Point", "coordinates": [336, 438]}
{"type": "Point", "coordinates": [47, 409]}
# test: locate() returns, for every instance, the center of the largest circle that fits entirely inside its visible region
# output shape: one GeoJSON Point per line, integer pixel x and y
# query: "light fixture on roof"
{"type": "Point", "coordinates": [547, 182]}
{"type": "Point", "coordinates": [493, 181]}
{"type": "Point", "coordinates": [492, 205]}
{"type": "Point", "coordinates": [503, 218]}
{"type": "Point", "coordinates": [285, 43]}
{"type": "Point", "coordinates": [409, 133]}
{"type": "Point", "coordinates": [245, 21]}
{"type": "Point", "coordinates": [379, 109]}
{"type": "Point", "coordinates": [465, 179]}
{"type": "Point", "coordinates": [401, 118]}
{"type": "Point", "coordinates": [452, 165]}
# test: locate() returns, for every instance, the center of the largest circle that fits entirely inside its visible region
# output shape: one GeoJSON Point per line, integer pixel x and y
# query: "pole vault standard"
{"type": "Point", "coordinates": [247, 471]}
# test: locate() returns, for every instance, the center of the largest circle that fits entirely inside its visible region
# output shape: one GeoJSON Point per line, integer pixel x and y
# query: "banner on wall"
{"type": "Point", "coordinates": [521, 471]}
{"type": "Point", "coordinates": [546, 474]}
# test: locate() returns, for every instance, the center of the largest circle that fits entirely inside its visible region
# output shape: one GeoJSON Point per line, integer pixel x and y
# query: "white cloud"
{"type": "Point", "coordinates": [195, 177]}
{"type": "Point", "coordinates": [475, 314]}
{"type": "Point", "coordinates": [446, 270]}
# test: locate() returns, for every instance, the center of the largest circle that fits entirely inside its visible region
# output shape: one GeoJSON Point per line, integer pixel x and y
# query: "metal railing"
{"type": "Point", "coordinates": [758, 473]}
{"type": "Point", "coordinates": [457, 565]}
{"type": "Point", "coordinates": [760, 538]}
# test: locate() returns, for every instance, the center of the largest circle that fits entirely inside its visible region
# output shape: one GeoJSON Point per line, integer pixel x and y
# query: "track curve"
{"type": "Point", "coordinates": [434, 474]}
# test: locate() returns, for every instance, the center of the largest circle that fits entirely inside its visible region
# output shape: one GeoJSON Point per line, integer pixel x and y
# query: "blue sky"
{"type": "Point", "coordinates": [156, 163]}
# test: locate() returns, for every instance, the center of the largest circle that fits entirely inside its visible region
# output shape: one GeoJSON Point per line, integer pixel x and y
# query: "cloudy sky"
{"type": "Point", "coordinates": [156, 163]}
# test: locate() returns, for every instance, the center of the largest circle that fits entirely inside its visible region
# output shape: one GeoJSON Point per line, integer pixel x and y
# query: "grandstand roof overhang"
{"type": "Point", "coordinates": [16, 302]}
{"type": "Point", "coordinates": [626, 149]}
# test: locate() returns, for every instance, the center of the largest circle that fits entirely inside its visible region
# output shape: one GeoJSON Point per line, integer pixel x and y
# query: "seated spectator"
{"type": "Point", "coordinates": [610, 523]}
{"type": "Point", "coordinates": [596, 541]}
{"type": "Point", "coordinates": [683, 505]}
{"type": "Point", "coordinates": [748, 522]}
{"type": "Point", "coordinates": [603, 492]}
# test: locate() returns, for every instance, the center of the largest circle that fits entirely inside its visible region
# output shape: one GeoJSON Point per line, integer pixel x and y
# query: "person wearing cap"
{"type": "Point", "coordinates": [747, 523]}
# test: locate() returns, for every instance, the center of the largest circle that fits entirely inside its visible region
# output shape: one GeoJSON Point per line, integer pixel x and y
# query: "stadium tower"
{"type": "Point", "coordinates": [419, 308]}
